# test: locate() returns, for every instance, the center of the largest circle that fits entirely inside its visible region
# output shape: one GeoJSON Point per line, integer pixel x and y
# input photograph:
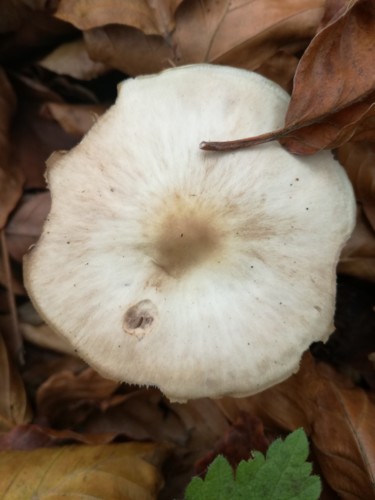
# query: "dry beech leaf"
{"type": "Point", "coordinates": [358, 255]}
{"type": "Point", "coordinates": [153, 17]}
{"type": "Point", "coordinates": [25, 225]}
{"type": "Point", "coordinates": [341, 56]}
{"type": "Point", "coordinates": [14, 409]}
{"type": "Point", "coordinates": [66, 398]}
{"type": "Point", "coordinates": [72, 59]}
{"type": "Point", "coordinates": [238, 33]}
{"type": "Point", "coordinates": [75, 119]}
{"type": "Point", "coordinates": [327, 116]}
{"type": "Point", "coordinates": [121, 471]}
{"type": "Point", "coordinates": [10, 177]}
{"type": "Point", "coordinates": [339, 419]}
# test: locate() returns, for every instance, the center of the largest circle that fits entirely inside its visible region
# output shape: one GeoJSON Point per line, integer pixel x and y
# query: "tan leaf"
{"type": "Point", "coordinates": [153, 17]}
{"type": "Point", "coordinates": [75, 119]}
{"type": "Point", "coordinates": [238, 33]}
{"type": "Point", "coordinates": [121, 471]}
{"type": "Point", "coordinates": [339, 418]}
{"type": "Point", "coordinates": [71, 59]}
{"type": "Point", "coordinates": [14, 409]}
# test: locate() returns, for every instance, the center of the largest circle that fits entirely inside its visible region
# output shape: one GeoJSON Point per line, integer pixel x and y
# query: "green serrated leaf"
{"type": "Point", "coordinates": [283, 475]}
{"type": "Point", "coordinates": [218, 485]}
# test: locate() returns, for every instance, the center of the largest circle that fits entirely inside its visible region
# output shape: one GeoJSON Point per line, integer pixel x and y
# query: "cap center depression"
{"type": "Point", "coordinates": [185, 235]}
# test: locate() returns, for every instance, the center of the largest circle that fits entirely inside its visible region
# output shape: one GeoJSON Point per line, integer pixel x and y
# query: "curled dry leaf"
{"type": "Point", "coordinates": [238, 33]}
{"type": "Point", "coordinates": [121, 471]}
{"type": "Point", "coordinates": [14, 409]}
{"type": "Point", "coordinates": [153, 17]}
{"type": "Point", "coordinates": [10, 178]}
{"type": "Point", "coordinates": [339, 418]}
{"type": "Point", "coordinates": [72, 59]}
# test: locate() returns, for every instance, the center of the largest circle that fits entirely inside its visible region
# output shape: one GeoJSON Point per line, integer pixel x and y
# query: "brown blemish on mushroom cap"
{"type": "Point", "coordinates": [140, 318]}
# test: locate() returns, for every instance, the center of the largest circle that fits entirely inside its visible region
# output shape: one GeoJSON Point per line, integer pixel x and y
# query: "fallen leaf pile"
{"type": "Point", "coordinates": [64, 429]}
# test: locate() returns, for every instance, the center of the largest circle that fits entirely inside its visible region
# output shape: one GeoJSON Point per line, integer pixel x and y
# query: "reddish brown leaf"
{"type": "Point", "coordinates": [339, 418]}
{"type": "Point", "coordinates": [243, 437]}
{"type": "Point", "coordinates": [153, 17]}
{"type": "Point", "coordinates": [239, 33]}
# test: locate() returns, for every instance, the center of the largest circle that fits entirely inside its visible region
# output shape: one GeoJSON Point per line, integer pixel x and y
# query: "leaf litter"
{"type": "Point", "coordinates": [61, 62]}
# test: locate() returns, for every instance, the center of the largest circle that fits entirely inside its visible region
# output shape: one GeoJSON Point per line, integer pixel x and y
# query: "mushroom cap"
{"type": "Point", "coordinates": [205, 274]}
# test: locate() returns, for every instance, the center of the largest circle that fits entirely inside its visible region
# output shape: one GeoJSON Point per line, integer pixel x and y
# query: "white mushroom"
{"type": "Point", "coordinates": [204, 274]}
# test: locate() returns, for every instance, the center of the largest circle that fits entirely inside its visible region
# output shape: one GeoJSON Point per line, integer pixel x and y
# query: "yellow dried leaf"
{"type": "Point", "coordinates": [119, 471]}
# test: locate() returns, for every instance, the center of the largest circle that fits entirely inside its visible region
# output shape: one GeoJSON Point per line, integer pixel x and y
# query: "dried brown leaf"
{"type": "Point", "coordinates": [66, 398]}
{"type": "Point", "coordinates": [153, 17]}
{"type": "Point", "coordinates": [140, 415]}
{"type": "Point", "coordinates": [239, 441]}
{"type": "Point", "coordinates": [238, 33]}
{"type": "Point", "coordinates": [339, 418]}
{"type": "Point", "coordinates": [325, 116]}
{"type": "Point", "coordinates": [71, 59]}
{"type": "Point", "coordinates": [341, 56]}
{"type": "Point", "coordinates": [121, 471]}
{"type": "Point", "coordinates": [14, 409]}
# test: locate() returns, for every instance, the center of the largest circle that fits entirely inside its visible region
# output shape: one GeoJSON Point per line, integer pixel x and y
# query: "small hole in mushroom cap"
{"type": "Point", "coordinates": [140, 318]}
